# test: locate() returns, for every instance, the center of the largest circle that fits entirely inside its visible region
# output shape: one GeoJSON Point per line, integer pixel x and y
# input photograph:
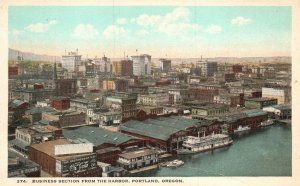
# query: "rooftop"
{"type": "Point", "coordinates": [139, 153]}
{"type": "Point", "coordinates": [260, 99]}
{"type": "Point", "coordinates": [97, 136]}
{"type": "Point", "coordinates": [48, 148]}
{"type": "Point", "coordinates": [165, 125]}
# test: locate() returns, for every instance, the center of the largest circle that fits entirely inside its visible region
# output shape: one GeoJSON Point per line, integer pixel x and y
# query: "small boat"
{"type": "Point", "coordinates": [267, 123]}
{"type": "Point", "coordinates": [194, 144]}
{"type": "Point", "coordinates": [241, 129]}
{"type": "Point", "coordinates": [174, 163]}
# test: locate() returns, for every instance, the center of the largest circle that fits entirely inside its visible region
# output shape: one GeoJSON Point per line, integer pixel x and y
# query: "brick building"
{"type": "Point", "coordinates": [106, 144]}
{"type": "Point", "coordinates": [65, 87]}
{"type": "Point", "coordinates": [60, 158]}
{"type": "Point", "coordinates": [60, 103]}
{"type": "Point", "coordinates": [126, 67]}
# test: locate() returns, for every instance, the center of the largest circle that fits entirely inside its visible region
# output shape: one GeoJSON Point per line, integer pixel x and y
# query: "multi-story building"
{"type": "Point", "coordinates": [280, 111]}
{"type": "Point", "coordinates": [66, 118]}
{"type": "Point", "coordinates": [259, 103]}
{"type": "Point", "coordinates": [281, 94]}
{"type": "Point", "coordinates": [71, 61]}
{"type": "Point", "coordinates": [153, 99]}
{"type": "Point", "coordinates": [90, 69]}
{"type": "Point", "coordinates": [125, 104]}
{"type": "Point", "coordinates": [32, 95]}
{"type": "Point", "coordinates": [60, 103]}
{"type": "Point", "coordinates": [237, 68]}
{"type": "Point", "coordinates": [120, 85]}
{"type": "Point", "coordinates": [211, 109]}
{"type": "Point", "coordinates": [19, 166]}
{"type": "Point", "coordinates": [207, 68]}
{"type": "Point", "coordinates": [138, 159]}
{"type": "Point", "coordinates": [126, 67]}
{"type": "Point", "coordinates": [65, 87]}
{"type": "Point", "coordinates": [60, 158]}
{"type": "Point", "coordinates": [228, 99]}
{"type": "Point", "coordinates": [141, 65]}
{"type": "Point", "coordinates": [165, 65]}
{"type": "Point", "coordinates": [203, 94]}
{"type": "Point", "coordinates": [117, 68]}
{"type": "Point", "coordinates": [178, 94]}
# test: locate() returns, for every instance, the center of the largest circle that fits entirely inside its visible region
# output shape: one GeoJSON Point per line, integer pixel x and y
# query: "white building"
{"type": "Point", "coordinates": [278, 93]}
{"type": "Point", "coordinates": [165, 64]}
{"type": "Point", "coordinates": [153, 99]}
{"type": "Point", "coordinates": [207, 68]}
{"type": "Point", "coordinates": [141, 65]}
{"type": "Point", "coordinates": [103, 64]}
{"type": "Point", "coordinates": [71, 62]}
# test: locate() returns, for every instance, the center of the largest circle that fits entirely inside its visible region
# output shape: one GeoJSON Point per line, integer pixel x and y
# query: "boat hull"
{"type": "Point", "coordinates": [186, 151]}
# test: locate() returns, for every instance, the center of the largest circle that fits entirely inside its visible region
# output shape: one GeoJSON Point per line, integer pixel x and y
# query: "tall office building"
{"type": "Point", "coordinates": [71, 61]}
{"type": "Point", "coordinates": [165, 64]}
{"type": "Point", "coordinates": [207, 68]}
{"type": "Point", "coordinates": [141, 64]}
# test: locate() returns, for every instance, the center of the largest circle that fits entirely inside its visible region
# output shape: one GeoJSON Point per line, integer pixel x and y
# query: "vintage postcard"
{"type": "Point", "coordinates": [157, 93]}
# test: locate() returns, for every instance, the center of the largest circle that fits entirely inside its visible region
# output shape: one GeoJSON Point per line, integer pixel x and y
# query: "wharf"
{"type": "Point", "coordinates": [144, 169]}
{"type": "Point", "coordinates": [284, 122]}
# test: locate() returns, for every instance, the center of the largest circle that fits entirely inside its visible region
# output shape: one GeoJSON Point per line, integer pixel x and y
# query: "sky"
{"type": "Point", "coordinates": [160, 31]}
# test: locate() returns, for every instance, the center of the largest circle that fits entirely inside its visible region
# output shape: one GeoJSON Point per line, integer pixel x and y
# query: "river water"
{"type": "Point", "coordinates": [265, 152]}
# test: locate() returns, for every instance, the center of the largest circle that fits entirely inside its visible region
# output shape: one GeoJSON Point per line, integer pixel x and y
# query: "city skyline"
{"type": "Point", "coordinates": [167, 31]}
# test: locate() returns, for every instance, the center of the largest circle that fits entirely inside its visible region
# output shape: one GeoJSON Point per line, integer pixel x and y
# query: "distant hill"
{"type": "Point", "coordinates": [13, 55]}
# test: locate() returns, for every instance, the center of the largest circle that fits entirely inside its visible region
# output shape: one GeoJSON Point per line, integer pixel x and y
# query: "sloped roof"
{"type": "Point", "coordinates": [160, 128]}
{"type": "Point", "coordinates": [95, 135]}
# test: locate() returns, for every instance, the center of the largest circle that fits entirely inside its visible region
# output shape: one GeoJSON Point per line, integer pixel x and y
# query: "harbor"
{"type": "Point", "coordinates": [252, 154]}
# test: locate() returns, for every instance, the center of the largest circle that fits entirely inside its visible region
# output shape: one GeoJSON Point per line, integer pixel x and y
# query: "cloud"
{"type": "Point", "coordinates": [122, 21]}
{"type": "Point", "coordinates": [147, 20]}
{"type": "Point", "coordinates": [240, 21]}
{"type": "Point", "coordinates": [175, 23]}
{"type": "Point", "coordinates": [16, 32]}
{"type": "Point", "coordinates": [142, 32]}
{"type": "Point", "coordinates": [213, 29]}
{"type": "Point", "coordinates": [40, 27]}
{"type": "Point", "coordinates": [85, 31]}
{"type": "Point", "coordinates": [114, 31]}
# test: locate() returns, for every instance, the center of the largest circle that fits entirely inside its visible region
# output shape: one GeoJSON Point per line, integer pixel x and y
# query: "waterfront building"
{"type": "Point", "coordinates": [208, 109]}
{"type": "Point", "coordinates": [259, 103]}
{"type": "Point", "coordinates": [106, 144]}
{"type": "Point", "coordinates": [61, 158]}
{"type": "Point", "coordinates": [138, 159]}
{"type": "Point", "coordinates": [280, 93]}
{"type": "Point", "coordinates": [232, 100]}
{"type": "Point", "coordinates": [251, 118]}
{"type": "Point", "coordinates": [280, 112]}
{"type": "Point", "coordinates": [21, 167]}
{"type": "Point", "coordinates": [172, 131]}
{"type": "Point", "coordinates": [141, 65]}
{"type": "Point", "coordinates": [71, 61]}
